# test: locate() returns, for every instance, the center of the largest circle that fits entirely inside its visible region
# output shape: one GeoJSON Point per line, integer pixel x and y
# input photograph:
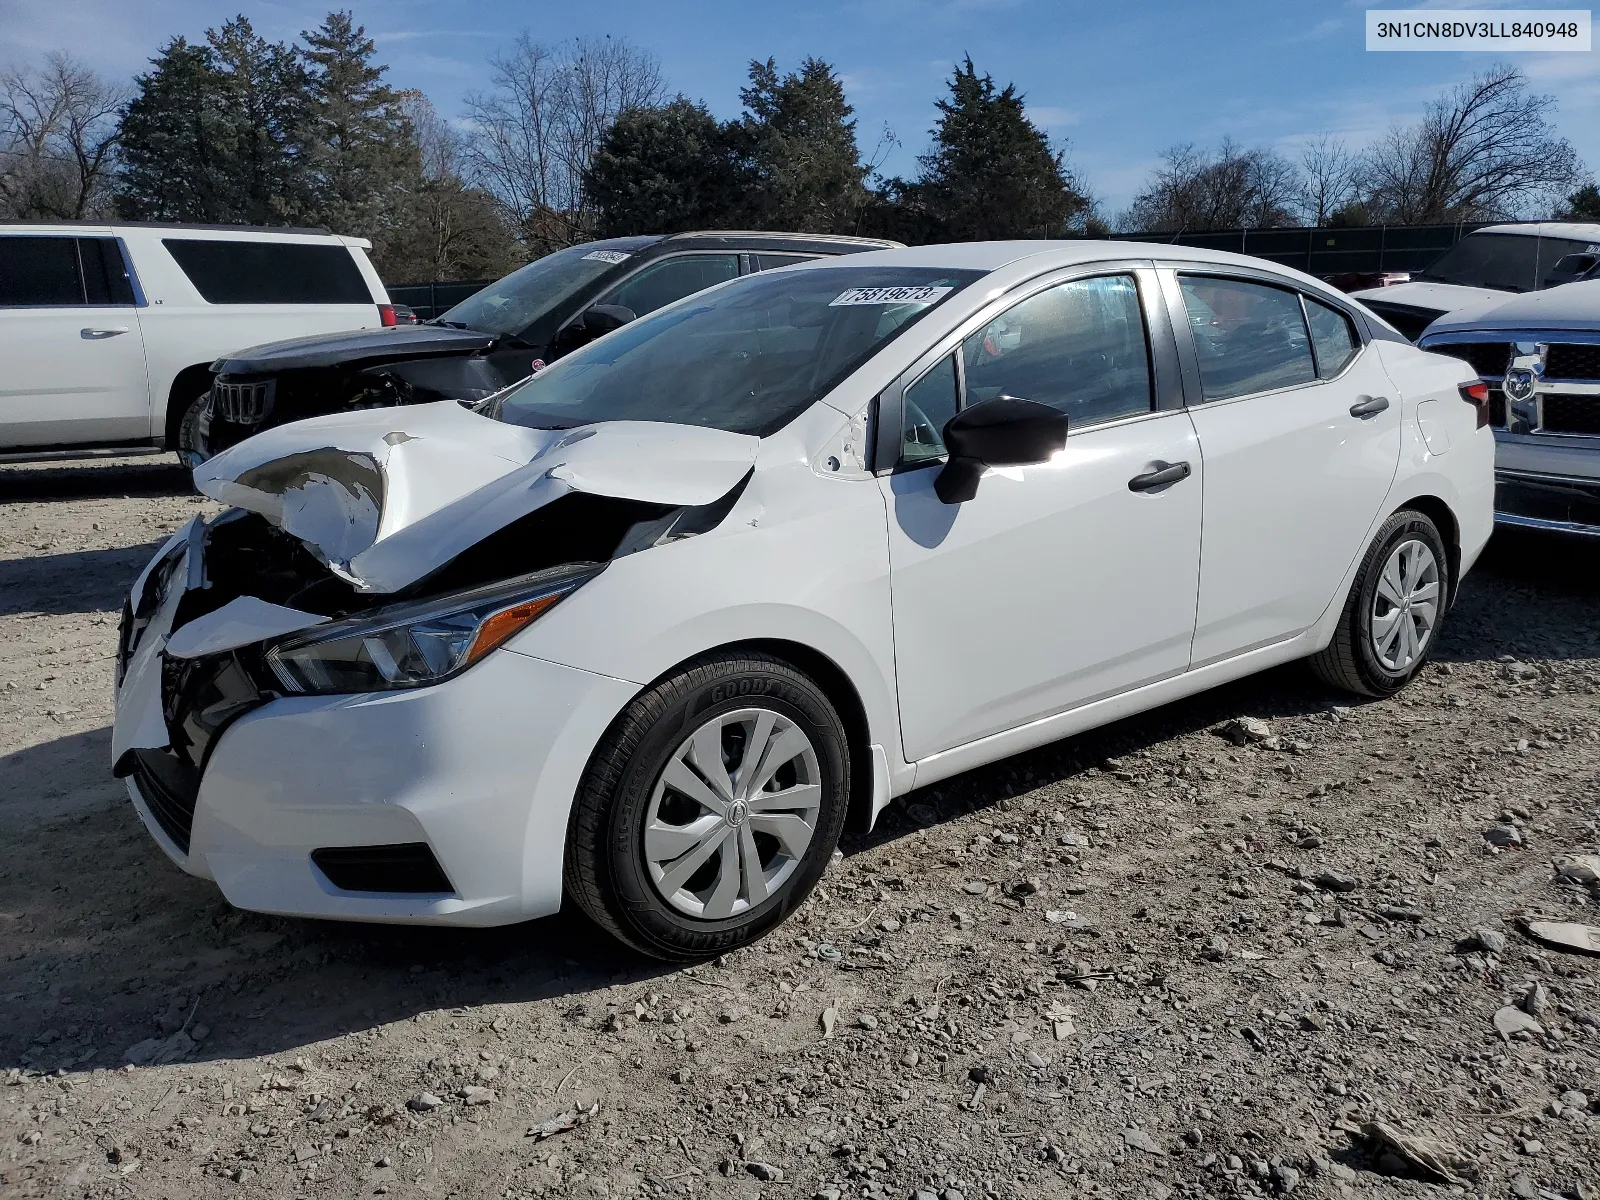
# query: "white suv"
{"type": "Point", "coordinates": [108, 332]}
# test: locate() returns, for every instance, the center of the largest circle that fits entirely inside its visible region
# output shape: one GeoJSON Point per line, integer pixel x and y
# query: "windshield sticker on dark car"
{"type": "Point", "coordinates": [890, 295]}
{"type": "Point", "coordinates": [608, 256]}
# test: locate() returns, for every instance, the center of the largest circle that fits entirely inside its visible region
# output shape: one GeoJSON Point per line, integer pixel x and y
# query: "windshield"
{"type": "Point", "coordinates": [747, 357]}
{"type": "Point", "coordinates": [511, 304]}
{"type": "Point", "coordinates": [1511, 262]}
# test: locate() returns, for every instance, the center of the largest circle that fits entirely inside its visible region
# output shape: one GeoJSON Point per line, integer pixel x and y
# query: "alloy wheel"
{"type": "Point", "coordinates": [1405, 607]}
{"type": "Point", "coordinates": [732, 813]}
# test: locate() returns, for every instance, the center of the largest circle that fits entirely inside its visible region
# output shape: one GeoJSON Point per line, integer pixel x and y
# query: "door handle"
{"type": "Point", "coordinates": [1162, 476]}
{"type": "Point", "coordinates": [99, 335]}
{"type": "Point", "coordinates": [1369, 406]}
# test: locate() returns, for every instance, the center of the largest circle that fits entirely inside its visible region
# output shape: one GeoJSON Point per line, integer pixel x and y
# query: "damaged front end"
{"type": "Point", "coordinates": [385, 551]}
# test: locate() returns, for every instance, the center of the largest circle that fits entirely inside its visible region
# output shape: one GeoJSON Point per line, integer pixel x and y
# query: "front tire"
{"type": "Point", "coordinates": [710, 809]}
{"type": "Point", "coordinates": [191, 448]}
{"type": "Point", "coordinates": [1392, 616]}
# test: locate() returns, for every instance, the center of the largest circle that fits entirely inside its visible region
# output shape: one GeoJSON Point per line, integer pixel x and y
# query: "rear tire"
{"type": "Point", "coordinates": [1392, 617]}
{"type": "Point", "coordinates": [710, 808]}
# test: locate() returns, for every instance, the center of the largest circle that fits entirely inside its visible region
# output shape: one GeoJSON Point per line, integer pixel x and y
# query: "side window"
{"type": "Point", "coordinates": [672, 279]}
{"type": "Point", "coordinates": [930, 402]}
{"type": "Point", "coordinates": [39, 272]}
{"type": "Point", "coordinates": [766, 262]}
{"type": "Point", "coordinates": [226, 272]}
{"type": "Point", "coordinates": [105, 275]}
{"type": "Point", "coordinates": [1249, 337]}
{"type": "Point", "coordinates": [1332, 337]}
{"type": "Point", "coordinates": [1080, 347]}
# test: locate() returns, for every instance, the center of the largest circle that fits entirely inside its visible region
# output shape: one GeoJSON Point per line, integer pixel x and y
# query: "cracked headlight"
{"type": "Point", "coordinates": [418, 644]}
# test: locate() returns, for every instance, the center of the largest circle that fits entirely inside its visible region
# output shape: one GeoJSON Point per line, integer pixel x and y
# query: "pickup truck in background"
{"type": "Point", "coordinates": [108, 331]}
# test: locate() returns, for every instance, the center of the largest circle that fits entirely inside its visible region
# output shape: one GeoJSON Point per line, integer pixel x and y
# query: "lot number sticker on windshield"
{"type": "Point", "coordinates": [890, 295]}
{"type": "Point", "coordinates": [608, 256]}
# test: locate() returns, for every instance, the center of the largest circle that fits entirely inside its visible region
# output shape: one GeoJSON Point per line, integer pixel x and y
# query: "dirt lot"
{"type": "Point", "coordinates": [1110, 967]}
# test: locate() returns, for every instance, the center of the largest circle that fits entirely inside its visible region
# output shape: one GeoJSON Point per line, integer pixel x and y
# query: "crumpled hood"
{"type": "Point", "coordinates": [384, 496]}
{"type": "Point", "coordinates": [1574, 306]}
{"type": "Point", "coordinates": [351, 347]}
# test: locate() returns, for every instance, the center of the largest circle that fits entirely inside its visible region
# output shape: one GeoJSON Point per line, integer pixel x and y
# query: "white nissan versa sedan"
{"type": "Point", "coordinates": [648, 627]}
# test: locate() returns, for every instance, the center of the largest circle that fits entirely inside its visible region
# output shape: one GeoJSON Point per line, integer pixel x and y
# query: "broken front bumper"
{"type": "Point", "coordinates": [280, 800]}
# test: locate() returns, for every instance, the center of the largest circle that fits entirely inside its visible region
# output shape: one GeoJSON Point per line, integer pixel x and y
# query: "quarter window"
{"type": "Point", "coordinates": [930, 402]}
{"type": "Point", "coordinates": [659, 284]}
{"type": "Point", "coordinates": [226, 272]}
{"type": "Point", "coordinates": [1249, 337]}
{"type": "Point", "coordinates": [1332, 337]}
{"type": "Point", "coordinates": [768, 262]}
{"type": "Point", "coordinates": [1079, 347]}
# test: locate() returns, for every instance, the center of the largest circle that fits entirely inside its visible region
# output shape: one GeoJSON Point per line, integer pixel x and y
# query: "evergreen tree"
{"type": "Point", "coordinates": [173, 144]}
{"type": "Point", "coordinates": [361, 154]}
{"type": "Point", "coordinates": [666, 169]}
{"type": "Point", "coordinates": [265, 110]}
{"type": "Point", "coordinates": [1582, 205]}
{"type": "Point", "coordinates": [991, 172]}
{"type": "Point", "coordinates": [799, 137]}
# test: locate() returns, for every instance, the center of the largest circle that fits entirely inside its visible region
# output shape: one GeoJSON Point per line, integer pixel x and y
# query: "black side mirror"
{"type": "Point", "coordinates": [592, 323]}
{"type": "Point", "coordinates": [1004, 432]}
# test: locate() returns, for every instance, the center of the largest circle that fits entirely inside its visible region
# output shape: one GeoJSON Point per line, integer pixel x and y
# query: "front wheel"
{"type": "Point", "coordinates": [191, 437]}
{"type": "Point", "coordinates": [710, 809]}
{"type": "Point", "coordinates": [1392, 616]}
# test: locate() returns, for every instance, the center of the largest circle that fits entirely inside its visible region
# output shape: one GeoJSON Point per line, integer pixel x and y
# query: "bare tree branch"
{"type": "Point", "coordinates": [537, 128]}
{"type": "Point", "coordinates": [1484, 150]}
{"type": "Point", "coordinates": [58, 133]}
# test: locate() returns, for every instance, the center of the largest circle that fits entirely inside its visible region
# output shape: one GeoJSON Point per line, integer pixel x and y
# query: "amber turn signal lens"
{"type": "Point", "coordinates": [497, 627]}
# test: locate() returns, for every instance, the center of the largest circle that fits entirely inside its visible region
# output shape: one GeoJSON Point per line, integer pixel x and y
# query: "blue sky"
{"type": "Point", "coordinates": [1121, 81]}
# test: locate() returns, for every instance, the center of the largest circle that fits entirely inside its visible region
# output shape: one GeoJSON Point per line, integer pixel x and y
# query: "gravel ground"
{"type": "Point", "coordinates": [1150, 961]}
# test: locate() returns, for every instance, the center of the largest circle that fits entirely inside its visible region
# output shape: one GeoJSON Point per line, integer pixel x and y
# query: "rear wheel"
{"type": "Point", "coordinates": [710, 809]}
{"type": "Point", "coordinates": [1392, 616]}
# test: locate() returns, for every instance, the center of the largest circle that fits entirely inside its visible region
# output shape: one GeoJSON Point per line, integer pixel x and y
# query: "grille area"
{"type": "Point", "coordinates": [1570, 414]}
{"type": "Point", "coordinates": [408, 867]}
{"type": "Point", "coordinates": [1570, 360]}
{"type": "Point", "coordinates": [1497, 407]}
{"type": "Point", "coordinates": [242, 403]}
{"type": "Point", "coordinates": [170, 787]}
{"type": "Point", "coordinates": [1488, 359]}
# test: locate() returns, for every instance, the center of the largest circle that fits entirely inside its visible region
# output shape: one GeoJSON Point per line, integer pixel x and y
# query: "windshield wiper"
{"type": "Point", "coordinates": [447, 324]}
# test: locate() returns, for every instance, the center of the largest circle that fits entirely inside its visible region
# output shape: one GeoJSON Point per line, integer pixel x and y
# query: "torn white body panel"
{"type": "Point", "coordinates": [242, 621]}
{"type": "Point", "coordinates": [139, 723]}
{"type": "Point", "coordinates": [387, 495]}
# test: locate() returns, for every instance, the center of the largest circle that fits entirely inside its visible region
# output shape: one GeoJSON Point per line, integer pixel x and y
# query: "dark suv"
{"type": "Point", "coordinates": [493, 338]}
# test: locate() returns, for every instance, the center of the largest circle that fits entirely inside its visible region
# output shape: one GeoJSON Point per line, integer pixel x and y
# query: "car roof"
{"type": "Point", "coordinates": [31, 223]}
{"type": "Point", "coordinates": [780, 241]}
{"type": "Point", "coordinates": [1580, 230]}
{"type": "Point", "coordinates": [1049, 255]}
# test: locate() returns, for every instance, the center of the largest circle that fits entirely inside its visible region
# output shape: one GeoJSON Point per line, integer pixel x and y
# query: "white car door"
{"type": "Point", "coordinates": [74, 367]}
{"type": "Point", "coordinates": [1057, 583]}
{"type": "Point", "coordinates": [1299, 426]}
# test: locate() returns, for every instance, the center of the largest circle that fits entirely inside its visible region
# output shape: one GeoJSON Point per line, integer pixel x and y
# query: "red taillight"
{"type": "Point", "coordinates": [386, 316]}
{"type": "Point", "coordinates": [1477, 395]}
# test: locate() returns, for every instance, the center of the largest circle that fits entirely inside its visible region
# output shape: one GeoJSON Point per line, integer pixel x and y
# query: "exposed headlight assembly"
{"type": "Point", "coordinates": [416, 645]}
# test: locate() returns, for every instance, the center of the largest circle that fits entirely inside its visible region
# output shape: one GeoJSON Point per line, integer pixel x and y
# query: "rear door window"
{"type": "Point", "coordinates": [767, 262]}
{"type": "Point", "coordinates": [1249, 337]}
{"type": "Point", "coordinates": [227, 272]}
{"type": "Point", "coordinates": [40, 272]}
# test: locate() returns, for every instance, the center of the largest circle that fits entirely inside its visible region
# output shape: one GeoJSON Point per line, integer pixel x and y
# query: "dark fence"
{"type": "Point", "coordinates": [1314, 251]}
{"type": "Point", "coordinates": [1329, 251]}
{"type": "Point", "coordinates": [428, 300]}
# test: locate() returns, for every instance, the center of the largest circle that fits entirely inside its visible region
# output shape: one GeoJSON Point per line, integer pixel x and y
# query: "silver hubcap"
{"type": "Point", "coordinates": [732, 813]}
{"type": "Point", "coordinates": [1406, 607]}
